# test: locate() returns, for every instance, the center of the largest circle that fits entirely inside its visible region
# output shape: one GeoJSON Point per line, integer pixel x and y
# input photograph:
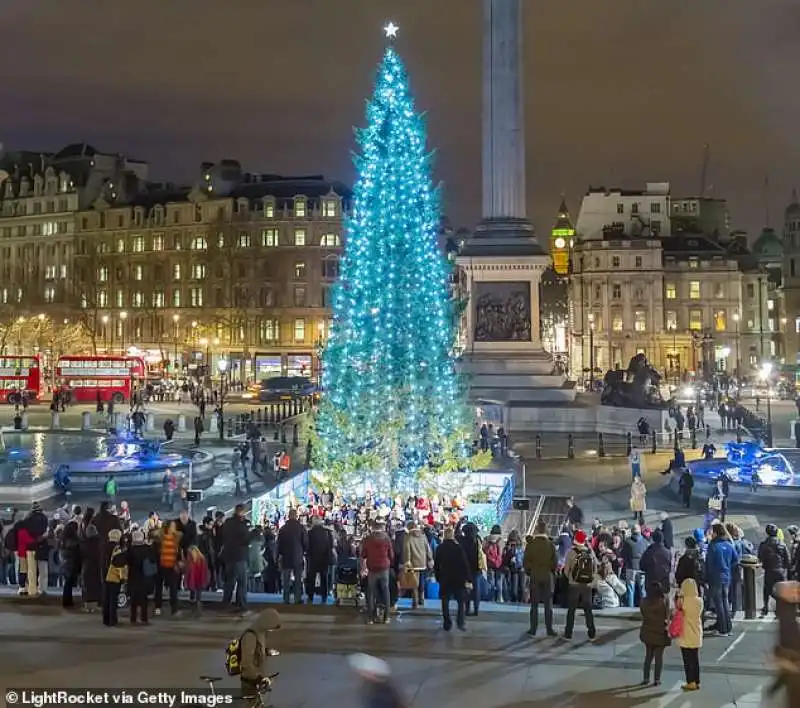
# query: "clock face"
{"type": "Point", "coordinates": [560, 242]}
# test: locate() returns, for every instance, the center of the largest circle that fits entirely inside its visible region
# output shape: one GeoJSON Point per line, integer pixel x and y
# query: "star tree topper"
{"type": "Point", "coordinates": [391, 30]}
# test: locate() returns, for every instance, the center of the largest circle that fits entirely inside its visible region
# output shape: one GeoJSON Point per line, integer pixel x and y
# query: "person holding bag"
{"type": "Point", "coordinates": [653, 633]}
{"type": "Point", "coordinates": [418, 560]}
{"type": "Point", "coordinates": [690, 632]}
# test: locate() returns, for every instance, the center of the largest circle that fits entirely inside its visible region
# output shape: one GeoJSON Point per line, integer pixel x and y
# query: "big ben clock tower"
{"type": "Point", "coordinates": [561, 240]}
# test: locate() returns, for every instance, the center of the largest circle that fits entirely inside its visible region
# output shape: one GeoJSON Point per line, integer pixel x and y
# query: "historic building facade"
{"type": "Point", "coordinates": [686, 293]}
{"type": "Point", "coordinates": [238, 267]}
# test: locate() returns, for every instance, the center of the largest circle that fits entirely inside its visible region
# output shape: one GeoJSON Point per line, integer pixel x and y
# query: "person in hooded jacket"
{"type": "Point", "coordinates": [690, 564]}
{"type": "Point", "coordinates": [774, 558]}
{"type": "Point", "coordinates": [691, 637]}
{"type": "Point", "coordinates": [418, 557]}
{"type": "Point", "coordinates": [255, 650]}
{"type": "Point", "coordinates": [653, 632]}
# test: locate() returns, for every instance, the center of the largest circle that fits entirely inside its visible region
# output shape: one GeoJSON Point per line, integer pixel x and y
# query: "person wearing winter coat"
{"type": "Point", "coordinates": [638, 499]}
{"type": "Point", "coordinates": [633, 549]}
{"type": "Point", "coordinates": [653, 632]}
{"type": "Point", "coordinates": [774, 558]}
{"type": "Point", "coordinates": [25, 558]}
{"type": "Point", "coordinates": [476, 561]}
{"type": "Point", "coordinates": [540, 562]}
{"type": "Point", "coordinates": [292, 546]}
{"type": "Point", "coordinates": [691, 637]}
{"type": "Point", "coordinates": [142, 565]}
{"type": "Point", "coordinates": [667, 531]}
{"type": "Point", "coordinates": [513, 554]}
{"type": "Point", "coordinates": [70, 561]}
{"type": "Point", "coordinates": [609, 587]}
{"type": "Point", "coordinates": [580, 569]}
{"type": "Point", "coordinates": [496, 575]}
{"type": "Point", "coordinates": [255, 558]}
{"type": "Point", "coordinates": [690, 564]}
{"type": "Point", "coordinates": [320, 551]}
{"type": "Point", "coordinates": [454, 576]}
{"type": "Point", "coordinates": [418, 557]}
{"type": "Point", "coordinates": [721, 557]}
{"type": "Point", "coordinates": [91, 568]}
{"type": "Point", "coordinates": [197, 577]}
{"type": "Point", "coordinates": [656, 562]}
{"type": "Point", "coordinates": [116, 574]}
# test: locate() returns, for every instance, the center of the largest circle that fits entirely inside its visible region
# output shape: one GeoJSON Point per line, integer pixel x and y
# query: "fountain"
{"type": "Point", "coordinates": [29, 461]}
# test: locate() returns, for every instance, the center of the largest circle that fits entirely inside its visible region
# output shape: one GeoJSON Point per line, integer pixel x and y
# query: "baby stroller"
{"type": "Point", "coordinates": [348, 583]}
{"type": "Point", "coordinates": [123, 598]}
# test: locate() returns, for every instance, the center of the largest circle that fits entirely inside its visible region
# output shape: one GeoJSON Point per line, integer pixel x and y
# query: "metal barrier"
{"type": "Point", "coordinates": [506, 499]}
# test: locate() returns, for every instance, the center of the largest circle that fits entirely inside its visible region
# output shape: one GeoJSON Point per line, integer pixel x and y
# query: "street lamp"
{"type": "Point", "coordinates": [222, 365]}
{"type": "Point", "coordinates": [591, 351]}
{"type": "Point", "coordinates": [123, 316]}
{"type": "Point", "coordinates": [104, 318]}
{"type": "Point", "coordinates": [766, 375]}
{"type": "Point", "coordinates": [738, 363]}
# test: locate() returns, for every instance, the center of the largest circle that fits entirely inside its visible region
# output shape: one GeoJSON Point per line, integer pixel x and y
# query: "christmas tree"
{"type": "Point", "coordinates": [391, 408]}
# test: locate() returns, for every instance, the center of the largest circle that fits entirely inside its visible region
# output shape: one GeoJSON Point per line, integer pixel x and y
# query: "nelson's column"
{"type": "Point", "coordinates": [502, 262]}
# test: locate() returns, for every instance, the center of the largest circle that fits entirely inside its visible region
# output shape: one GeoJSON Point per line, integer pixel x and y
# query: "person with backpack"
{"type": "Point", "coordinates": [494, 563]}
{"type": "Point", "coordinates": [512, 565]}
{"type": "Point", "coordinates": [580, 569]}
{"type": "Point", "coordinates": [246, 656]}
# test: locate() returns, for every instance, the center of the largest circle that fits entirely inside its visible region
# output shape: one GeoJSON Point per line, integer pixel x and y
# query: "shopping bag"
{"type": "Point", "coordinates": [408, 580]}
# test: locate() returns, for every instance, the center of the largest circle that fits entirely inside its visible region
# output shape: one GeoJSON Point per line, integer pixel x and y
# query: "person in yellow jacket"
{"type": "Point", "coordinates": [116, 574]}
{"type": "Point", "coordinates": [169, 570]}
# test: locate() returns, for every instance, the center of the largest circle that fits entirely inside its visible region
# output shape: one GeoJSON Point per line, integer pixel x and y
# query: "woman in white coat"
{"type": "Point", "coordinates": [638, 500]}
{"type": "Point", "coordinates": [691, 637]}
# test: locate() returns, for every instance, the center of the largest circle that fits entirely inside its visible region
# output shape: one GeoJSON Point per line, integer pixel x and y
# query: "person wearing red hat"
{"type": "Point", "coordinates": [580, 569]}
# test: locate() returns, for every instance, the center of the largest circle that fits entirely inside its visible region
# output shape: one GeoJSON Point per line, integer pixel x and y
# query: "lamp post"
{"type": "Point", "coordinates": [123, 316]}
{"type": "Point", "coordinates": [591, 351]}
{"type": "Point", "coordinates": [725, 352]}
{"type": "Point", "coordinates": [175, 319]}
{"type": "Point", "coordinates": [104, 318]}
{"type": "Point", "coordinates": [736, 322]}
{"type": "Point", "coordinates": [783, 338]}
{"type": "Point", "coordinates": [207, 357]}
{"type": "Point", "coordinates": [222, 365]}
{"type": "Point", "coordinates": [766, 376]}
{"type": "Point", "coordinates": [673, 327]}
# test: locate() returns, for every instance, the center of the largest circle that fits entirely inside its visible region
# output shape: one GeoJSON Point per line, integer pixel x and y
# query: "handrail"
{"type": "Point", "coordinates": [537, 512]}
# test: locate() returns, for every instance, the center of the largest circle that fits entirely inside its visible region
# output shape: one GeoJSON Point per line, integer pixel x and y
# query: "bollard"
{"type": "Point", "coordinates": [675, 445]}
{"type": "Point", "coordinates": [17, 422]}
{"type": "Point", "coordinates": [283, 434]}
{"type": "Point", "coordinates": [86, 420]}
{"type": "Point", "coordinates": [694, 439]}
{"type": "Point", "coordinates": [708, 433]}
{"type": "Point", "coordinates": [284, 410]}
{"type": "Point", "coordinates": [749, 565]}
{"type": "Point", "coordinates": [601, 446]}
{"type": "Point", "coordinates": [150, 423]}
{"type": "Point", "coordinates": [797, 433]}
{"type": "Point", "coordinates": [55, 420]}
{"type": "Point", "coordinates": [213, 425]}
{"type": "Point", "coordinates": [258, 415]}
{"type": "Point", "coordinates": [538, 447]}
{"type": "Point", "coordinates": [309, 450]}
{"type": "Point", "coordinates": [570, 447]}
{"type": "Point", "coordinates": [181, 423]}
{"type": "Point", "coordinates": [654, 442]}
{"type": "Point", "coordinates": [628, 444]}
{"type": "Point", "coordinates": [117, 422]}
{"type": "Point", "coordinates": [296, 435]}
{"type": "Point", "coordinates": [230, 428]}
{"type": "Point", "coordinates": [276, 436]}
{"type": "Point", "coordinates": [738, 434]}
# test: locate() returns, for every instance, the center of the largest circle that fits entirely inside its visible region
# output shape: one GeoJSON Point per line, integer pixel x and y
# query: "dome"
{"type": "Point", "coordinates": [769, 244]}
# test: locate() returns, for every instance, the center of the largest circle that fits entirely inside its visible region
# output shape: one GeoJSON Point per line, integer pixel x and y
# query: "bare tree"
{"type": "Point", "coordinates": [85, 295]}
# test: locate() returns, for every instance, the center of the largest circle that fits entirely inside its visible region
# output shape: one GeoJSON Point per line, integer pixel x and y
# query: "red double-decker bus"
{"type": "Point", "coordinates": [113, 378]}
{"type": "Point", "coordinates": [20, 376]}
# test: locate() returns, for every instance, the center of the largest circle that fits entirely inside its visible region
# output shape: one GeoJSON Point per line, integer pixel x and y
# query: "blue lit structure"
{"type": "Point", "coordinates": [775, 467]}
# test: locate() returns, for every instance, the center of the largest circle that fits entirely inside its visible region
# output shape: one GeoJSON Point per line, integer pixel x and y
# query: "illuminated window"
{"type": "Point", "coordinates": [299, 270]}
{"type": "Point", "coordinates": [269, 237]}
{"type": "Point", "coordinates": [330, 241]}
{"type": "Point", "coordinates": [670, 291]}
{"type": "Point", "coordinates": [138, 299]}
{"type": "Point", "coordinates": [120, 298]}
{"type": "Point", "coordinates": [770, 305]}
{"type": "Point", "coordinates": [671, 320]}
{"type": "Point", "coordinates": [616, 323]}
{"type": "Point", "coordinates": [49, 272]}
{"type": "Point", "coordinates": [299, 237]}
{"type": "Point", "coordinates": [138, 272]}
{"type": "Point", "coordinates": [244, 239]}
{"type": "Point", "coordinates": [329, 208]}
{"type": "Point", "coordinates": [640, 321]}
{"type": "Point", "coordinates": [720, 320]}
{"type": "Point", "coordinates": [158, 298]}
{"type": "Point", "coordinates": [694, 289]}
{"type": "Point", "coordinates": [719, 291]}
{"type": "Point", "coordinates": [269, 211]}
{"type": "Point", "coordinates": [176, 298]}
{"type": "Point", "coordinates": [158, 242]}
{"type": "Point", "coordinates": [695, 320]}
{"type": "Point", "coordinates": [299, 330]}
{"type": "Point", "coordinates": [195, 297]}
{"type": "Point", "coordinates": [176, 271]}
{"type": "Point", "coordinates": [694, 262]}
{"type": "Point", "coordinates": [199, 243]}
{"type": "Point", "coordinates": [300, 208]}
{"type": "Point", "coordinates": [199, 271]}
{"type": "Point", "coordinates": [137, 244]}
{"type": "Point", "coordinates": [120, 245]}
{"type": "Point", "coordinates": [49, 294]}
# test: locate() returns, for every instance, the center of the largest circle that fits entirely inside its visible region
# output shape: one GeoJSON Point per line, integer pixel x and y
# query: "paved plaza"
{"type": "Point", "coordinates": [494, 664]}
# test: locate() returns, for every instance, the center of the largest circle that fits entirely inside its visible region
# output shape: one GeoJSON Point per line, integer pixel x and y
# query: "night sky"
{"type": "Point", "coordinates": [618, 91]}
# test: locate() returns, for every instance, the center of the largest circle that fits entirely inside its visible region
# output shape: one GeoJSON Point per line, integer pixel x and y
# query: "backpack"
{"type": "Point", "coordinates": [493, 557]}
{"type": "Point", "coordinates": [233, 655]}
{"type": "Point", "coordinates": [583, 569]}
{"type": "Point", "coordinates": [117, 568]}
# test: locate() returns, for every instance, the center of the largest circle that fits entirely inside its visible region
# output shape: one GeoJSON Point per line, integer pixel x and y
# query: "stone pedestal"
{"type": "Point", "coordinates": [150, 423]}
{"type": "Point", "coordinates": [86, 420]}
{"type": "Point", "coordinates": [181, 423]}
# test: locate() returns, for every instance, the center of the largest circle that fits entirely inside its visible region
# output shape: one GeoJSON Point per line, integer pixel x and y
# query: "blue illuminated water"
{"type": "Point", "coordinates": [776, 468]}
{"type": "Point", "coordinates": [31, 457]}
